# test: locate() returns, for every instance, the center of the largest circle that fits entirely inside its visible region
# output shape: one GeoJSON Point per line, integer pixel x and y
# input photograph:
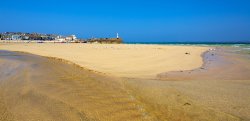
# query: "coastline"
{"type": "Point", "coordinates": [221, 85]}
{"type": "Point", "coordinates": [64, 61]}
{"type": "Point", "coordinates": [214, 66]}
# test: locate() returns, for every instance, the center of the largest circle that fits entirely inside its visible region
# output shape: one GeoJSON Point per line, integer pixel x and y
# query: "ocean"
{"type": "Point", "coordinates": [241, 46]}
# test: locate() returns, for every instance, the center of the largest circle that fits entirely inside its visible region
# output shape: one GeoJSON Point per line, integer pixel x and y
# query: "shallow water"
{"type": "Point", "coordinates": [223, 63]}
{"type": "Point", "coordinates": [37, 88]}
{"type": "Point", "coordinates": [222, 83]}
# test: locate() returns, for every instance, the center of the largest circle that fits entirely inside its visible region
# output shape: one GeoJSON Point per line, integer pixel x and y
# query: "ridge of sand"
{"type": "Point", "coordinates": [123, 60]}
{"type": "Point", "coordinates": [38, 88]}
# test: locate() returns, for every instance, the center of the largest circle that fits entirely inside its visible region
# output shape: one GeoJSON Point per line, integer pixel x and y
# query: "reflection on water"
{"type": "Point", "coordinates": [38, 88]}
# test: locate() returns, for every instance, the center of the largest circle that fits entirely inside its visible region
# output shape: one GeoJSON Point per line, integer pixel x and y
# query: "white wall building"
{"type": "Point", "coordinates": [16, 37]}
{"type": "Point", "coordinates": [71, 38]}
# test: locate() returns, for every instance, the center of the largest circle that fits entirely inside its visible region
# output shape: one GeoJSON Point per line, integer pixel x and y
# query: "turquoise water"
{"type": "Point", "coordinates": [246, 45]}
{"type": "Point", "coordinates": [238, 47]}
{"type": "Point", "coordinates": [194, 43]}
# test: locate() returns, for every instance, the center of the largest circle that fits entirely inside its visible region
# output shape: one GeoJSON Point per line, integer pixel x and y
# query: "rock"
{"type": "Point", "coordinates": [187, 104]}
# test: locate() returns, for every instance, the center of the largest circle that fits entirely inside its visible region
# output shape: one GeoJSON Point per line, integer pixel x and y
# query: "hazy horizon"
{"type": "Point", "coordinates": [135, 21]}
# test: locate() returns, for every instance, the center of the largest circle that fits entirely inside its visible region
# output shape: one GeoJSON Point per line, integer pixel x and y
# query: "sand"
{"type": "Point", "coordinates": [218, 65]}
{"type": "Point", "coordinates": [140, 61]}
{"type": "Point", "coordinates": [36, 88]}
{"type": "Point", "coordinates": [222, 83]}
{"type": "Point", "coordinates": [137, 83]}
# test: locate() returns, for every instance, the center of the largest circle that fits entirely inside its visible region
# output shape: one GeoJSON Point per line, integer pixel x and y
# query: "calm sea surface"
{"type": "Point", "coordinates": [237, 46]}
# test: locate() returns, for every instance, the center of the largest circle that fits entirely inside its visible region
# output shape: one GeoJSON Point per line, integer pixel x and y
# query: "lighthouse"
{"type": "Point", "coordinates": [117, 35]}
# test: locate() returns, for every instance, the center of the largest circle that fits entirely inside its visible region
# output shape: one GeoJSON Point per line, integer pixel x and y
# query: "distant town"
{"type": "Point", "coordinates": [53, 38]}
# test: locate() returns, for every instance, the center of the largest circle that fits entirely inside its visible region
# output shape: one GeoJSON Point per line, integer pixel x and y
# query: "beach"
{"type": "Point", "coordinates": [141, 61]}
{"type": "Point", "coordinates": [123, 82]}
{"type": "Point", "coordinates": [37, 88]}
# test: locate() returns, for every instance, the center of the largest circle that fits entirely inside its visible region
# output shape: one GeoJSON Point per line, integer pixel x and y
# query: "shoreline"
{"type": "Point", "coordinates": [214, 61]}
{"type": "Point", "coordinates": [226, 92]}
{"type": "Point", "coordinates": [63, 61]}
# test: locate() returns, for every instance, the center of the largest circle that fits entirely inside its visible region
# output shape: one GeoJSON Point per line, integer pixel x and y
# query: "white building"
{"type": "Point", "coordinates": [16, 37]}
{"type": "Point", "coordinates": [71, 38]}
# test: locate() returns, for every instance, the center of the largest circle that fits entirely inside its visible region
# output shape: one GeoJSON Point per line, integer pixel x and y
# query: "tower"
{"type": "Point", "coordinates": [117, 35]}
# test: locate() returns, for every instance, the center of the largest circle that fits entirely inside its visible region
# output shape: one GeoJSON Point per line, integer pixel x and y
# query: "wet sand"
{"type": "Point", "coordinates": [223, 63]}
{"type": "Point", "coordinates": [38, 88]}
{"type": "Point", "coordinates": [222, 83]}
{"type": "Point", "coordinates": [35, 88]}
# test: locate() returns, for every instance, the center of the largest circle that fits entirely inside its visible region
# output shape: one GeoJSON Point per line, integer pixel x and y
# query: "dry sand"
{"type": "Point", "coordinates": [141, 61]}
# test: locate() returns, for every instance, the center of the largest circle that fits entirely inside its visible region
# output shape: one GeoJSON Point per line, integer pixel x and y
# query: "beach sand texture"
{"type": "Point", "coordinates": [124, 60]}
{"type": "Point", "coordinates": [41, 89]}
{"type": "Point", "coordinates": [38, 88]}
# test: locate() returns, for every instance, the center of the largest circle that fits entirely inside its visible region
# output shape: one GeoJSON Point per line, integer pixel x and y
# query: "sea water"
{"type": "Point", "coordinates": [238, 46]}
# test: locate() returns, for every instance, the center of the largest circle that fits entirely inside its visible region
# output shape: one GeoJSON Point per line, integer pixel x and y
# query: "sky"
{"type": "Point", "coordinates": [134, 20]}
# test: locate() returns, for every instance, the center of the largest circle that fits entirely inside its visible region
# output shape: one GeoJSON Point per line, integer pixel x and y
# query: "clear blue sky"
{"type": "Point", "coordinates": [135, 20]}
